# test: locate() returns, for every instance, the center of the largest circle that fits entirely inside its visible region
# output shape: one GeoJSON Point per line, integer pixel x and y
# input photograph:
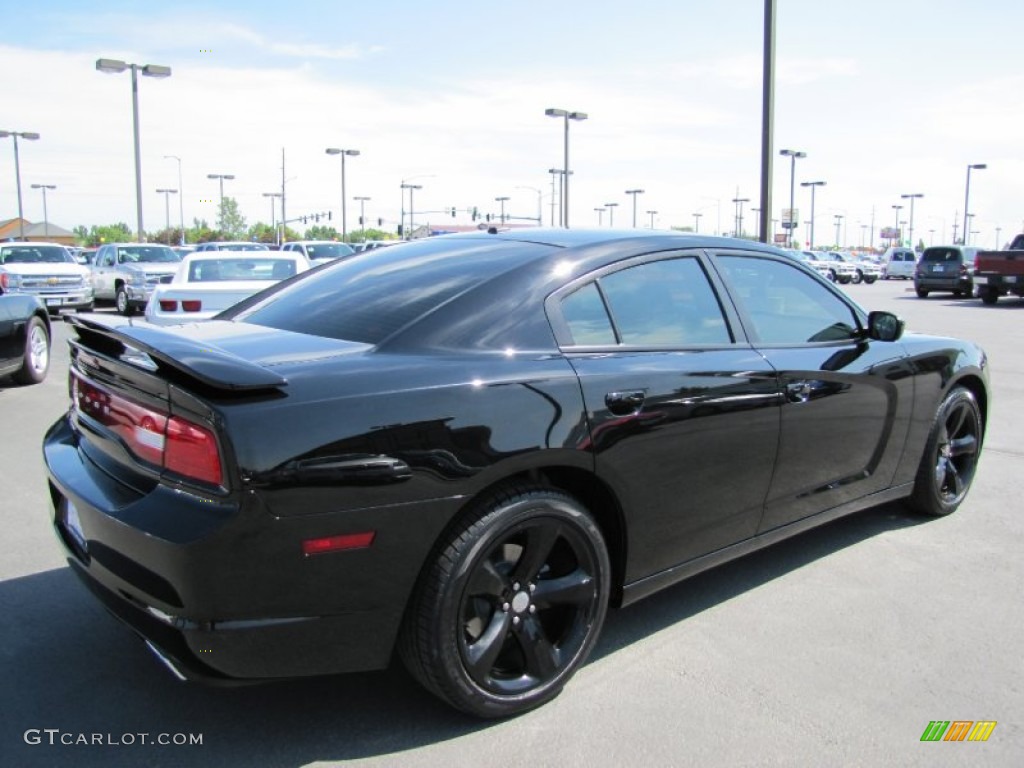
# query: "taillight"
{"type": "Point", "coordinates": [164, 441]}
{"type": "Point", "coordinates": [191, 450]}
{"type": "Point", "coordinates": [192, 305]}
{"type": "Point", "coordinates": [3, 281]}
{"type": "Point", "coordinates": [168, 305]}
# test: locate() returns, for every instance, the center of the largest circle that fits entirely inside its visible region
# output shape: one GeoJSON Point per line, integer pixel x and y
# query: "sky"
{"type": "Point", "coordinates": [886, 99]}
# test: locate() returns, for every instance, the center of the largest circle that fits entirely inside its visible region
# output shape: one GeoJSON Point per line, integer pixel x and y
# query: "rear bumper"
{"type": "Point", "coordinates": [943, 283]}
{"type": "Point", "coordinates": [221, 589]}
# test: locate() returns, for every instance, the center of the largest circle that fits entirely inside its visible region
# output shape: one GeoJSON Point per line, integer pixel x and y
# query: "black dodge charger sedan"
{"type": "Point", "coordinates": [463, 450]}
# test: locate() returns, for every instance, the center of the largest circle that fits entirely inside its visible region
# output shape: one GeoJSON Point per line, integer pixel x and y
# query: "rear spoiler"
{"type": "Point", "coordinates": [208, 364]}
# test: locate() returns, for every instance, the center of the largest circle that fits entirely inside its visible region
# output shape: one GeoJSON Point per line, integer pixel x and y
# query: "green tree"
{"type": "Point", "coordinates": [232, 223]}
{"type": "Point", "coordinates": [107, 233]}
{"type": "Point", "coordinates": [262, 233]}
{"type": "Point", "coordinates": [362, 235]}
{"type": "Point", "coordinates": [321, 232]}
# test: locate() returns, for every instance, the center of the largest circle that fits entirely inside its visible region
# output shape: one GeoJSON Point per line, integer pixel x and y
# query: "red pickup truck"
{"type": "Point", "coordinates": [997, 273]}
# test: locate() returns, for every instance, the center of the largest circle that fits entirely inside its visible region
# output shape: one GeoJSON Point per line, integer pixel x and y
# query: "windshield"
{"type": "Point", "coordinates": [35, 254]}
{"type": "Point", "coordinates": [328, 250]}
{"type": "Point", "coordinates": [147, 254]}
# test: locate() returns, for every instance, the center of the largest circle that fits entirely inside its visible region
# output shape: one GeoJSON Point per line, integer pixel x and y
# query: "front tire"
{"type": "Point", "coordinates": [870, 280]}
{"type": "Point", "coordinates": [124, 305]}
{"type": "Point", "coordinates": [922, 293]}
{"type": "Point", "coordinates": [36, 357]}
{"type": "Point", "coordinates": [950, 456]}
{"type": "Point", "coordinates": [511, 605]}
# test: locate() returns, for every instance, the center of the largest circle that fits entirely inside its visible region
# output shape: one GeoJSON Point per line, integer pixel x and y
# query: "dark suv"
{"type": "Point", "coordinates": [945, 268]}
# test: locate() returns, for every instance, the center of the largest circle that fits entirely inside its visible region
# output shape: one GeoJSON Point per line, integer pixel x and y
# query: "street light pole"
{"type": "Point", "coordinates": [967, 193]}
{"type": "Point", "coordinates": [600, 215]}
{"type": "Point", "coordinates": [30, 136]}
{"type": "Point", "coordinates": [362, 213]}
{"type": "Point", "coordinates": [46, 217]}
{"type": "Point", "coordinates": [344, 218]}
{"type": "Point", "coordinates": [813, 185]}
{"type": "Point", "coordinates": [273, 219]}
{"type": "Point", "coordinates": [502, 200]}
{"type": "Point", "coordinates": [898, 208]}
{"type": "Point", "coordinates": [611, 213]}
{"type": "Point", "coordinates": [167, 209]}
{"type": "Point", "coordinates": [911, 197]}
{"type": "Point", "coordinates": [412, 188]}
{"type": "Point", "coordinates": [838, 218]}
{"type": "Point", "coordinates": [651, 214]}
{"type": "Point", "coordinates": [696, 222]}
{"type": "Point", "coordinates": [148, 70]}
{"type": "Point", "coordinates": [738, 221]}
{"type": "Point", "coordinates": [221, 177]}
{"type": "Point", "coordinates": [792, 154]}
{"type": "Point", "coordinates": [634, 193]}
{"type": "Point", "coordinates": [181, 197]}
{"type": "Point", "coordinates": [566, 115]}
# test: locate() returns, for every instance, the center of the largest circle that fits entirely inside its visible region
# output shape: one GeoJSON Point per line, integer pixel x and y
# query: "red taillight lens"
{"type": "Point", "coordinates": [192, 451]}
{"type": "Point", "coordinates": [192, 305]}
{"type": "Point", "coordinates": [168, 305]}
{"type": "Point", "coordinates": [167, 442]}
{"type": "Point", "coordinates": [3, 281]}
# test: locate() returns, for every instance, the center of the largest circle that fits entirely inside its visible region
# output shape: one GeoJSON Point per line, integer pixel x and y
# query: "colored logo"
{"type": "Point", "coordinates": [958, 730]}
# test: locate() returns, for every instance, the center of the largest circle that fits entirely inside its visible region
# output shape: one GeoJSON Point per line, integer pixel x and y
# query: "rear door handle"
{"type": "Point", "coordinates": [624, 403]}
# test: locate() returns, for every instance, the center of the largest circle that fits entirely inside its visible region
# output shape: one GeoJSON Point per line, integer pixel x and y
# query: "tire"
{"type": "Point", "coordinates": [922, 293]}
{"type": "Point", "coordinates": [870, 280]}
{"type": "Point", "coordinates": [36, 357]}
{"type": "Point", "coordinates": [988, 295]}
{"type": "Point", "coordinates": [511, 604]}
{"type": "Point", "coordinates": [950, 456]}
{"type": "Point", "coordinates": [832, 275]}
{"type": "Point", "coordinates": [123, 303]}
{"type": "Point", "coordinates": [858, 277]}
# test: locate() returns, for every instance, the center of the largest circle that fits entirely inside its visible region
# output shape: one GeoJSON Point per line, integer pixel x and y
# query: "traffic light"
{"type": "Point", "coordinates": [316, 217]}
{"type": "Point", "coordinates": [360, 221]}
{"type": "Point", "coordinates": [399, 230]}
{"type": "Point", "coordinates": [475, 214]}
{"type": "Point", "coordinates": [453, 212]}
{"type": "Point", "coordinates": [328, 215]}
{"type": "Point", "coordinates": [488, 217]}
{"type": "Point", "coordinates": [303, 219]}
{"type": "Point", "coordinates": [380, 222]}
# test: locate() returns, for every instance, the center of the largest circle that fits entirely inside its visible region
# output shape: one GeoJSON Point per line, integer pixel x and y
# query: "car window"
{"type": "Point", "coordinates": [34, 254]}
{"type": "Point", "coordinates": [785, 305]}
{"type": "Point", "coordinates": [655, 304]}
{"type": "Point", "coordinates": [218, 270]}
{"type": "Point", "coordinates": [587, 318]}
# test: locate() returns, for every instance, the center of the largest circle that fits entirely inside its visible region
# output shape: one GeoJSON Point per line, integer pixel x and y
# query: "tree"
{"type": "Point", "coordinates": [232, 223]}
{"type": "Point", "coordinates": [107, 233]}
{"type": "Point", "coordinates": [321, 232]}
{"type": "Point", "coordinates": [362, 235]}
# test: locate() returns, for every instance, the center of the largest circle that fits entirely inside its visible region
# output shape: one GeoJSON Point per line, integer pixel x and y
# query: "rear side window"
{"type": "Point", "coordinates": [667, 303]}
{"type": "Point", "coordinates": [371, 296]}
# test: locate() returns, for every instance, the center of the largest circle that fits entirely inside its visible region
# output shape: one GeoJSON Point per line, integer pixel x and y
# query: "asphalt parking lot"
{"type": "Point", "coordinates": [837, 647]}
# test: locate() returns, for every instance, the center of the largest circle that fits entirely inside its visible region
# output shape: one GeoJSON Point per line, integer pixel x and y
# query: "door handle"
{"type": "Point", "coordinates": [624, 403]}
{"type": "Point", "coordinates": [798, 391]}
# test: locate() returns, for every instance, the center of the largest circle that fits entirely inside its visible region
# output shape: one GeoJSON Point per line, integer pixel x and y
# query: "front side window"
{"type": "Point", "coordinates": [785, 305]}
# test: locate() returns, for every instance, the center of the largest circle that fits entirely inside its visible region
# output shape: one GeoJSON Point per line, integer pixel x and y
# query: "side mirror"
{"type": "Point", "coordinates": [884, 326]}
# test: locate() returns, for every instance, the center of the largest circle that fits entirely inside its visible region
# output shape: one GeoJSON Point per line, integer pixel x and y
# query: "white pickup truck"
{"type": "Point", "coordinates": [127, 273]}
{"type": "Point", "coordinates": [48, 272]}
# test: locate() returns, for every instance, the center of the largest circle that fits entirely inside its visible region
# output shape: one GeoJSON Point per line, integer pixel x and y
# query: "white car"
{"type": "Point", "coordinates": [47, 271]}
{"type": "Point", "coordinates": [208, 283]}
{"type": "Point", "coordinates": [319, 251]}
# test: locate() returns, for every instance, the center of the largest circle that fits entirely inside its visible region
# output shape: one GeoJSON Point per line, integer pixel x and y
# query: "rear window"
{"type": "Point", "coordinates": [370, 296]}
{"type": "Point", "coordinates": [935, 255]}
{"type": "Point", "coordinates": [221, 270]}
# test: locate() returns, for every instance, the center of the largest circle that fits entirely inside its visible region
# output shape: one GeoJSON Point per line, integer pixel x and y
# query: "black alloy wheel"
{"type": "Point", "coordinates": [511, 606]}
{"type": "Point", "coordinates": [950, 455]}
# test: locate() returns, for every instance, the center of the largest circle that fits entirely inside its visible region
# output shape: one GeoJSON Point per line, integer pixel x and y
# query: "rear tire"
{"type": "Point", "coordinates": [511, 605]}
{"type": "Point", "coordinates": [36, 357]}
{"type": "Point", "coordinates": [950, 455]}
{"type": "Point", "coordinates": [922, 293]}
{"type": "Point", "coordinates": [988, 295]}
